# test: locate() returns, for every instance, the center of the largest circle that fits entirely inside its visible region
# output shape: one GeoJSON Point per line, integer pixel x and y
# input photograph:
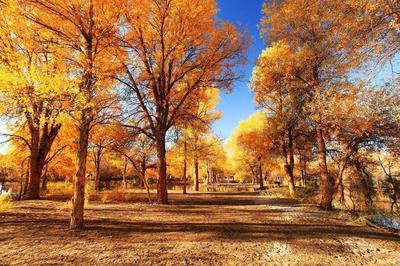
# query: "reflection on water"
{"type": "Point", "coordinates": [203, 187]}
{"type": "Point", "coordinates": [216, 187]}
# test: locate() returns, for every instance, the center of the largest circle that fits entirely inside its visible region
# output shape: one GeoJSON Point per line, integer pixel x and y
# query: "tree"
{"type": "Point", "coordinates": [390, 184]}
{"type": "Point", "coordinates": [177, 48]}
{"type": "Point", "coordinates": [103, 138]}
{"type": "Point", "coordinates": [140, 151]}
{"type": "Point", "coordinates": [311, 30]}
{"type": "Point", "coordinates": [37, 92]}
{"type": "Point", "coordinates": [371, 29]}
{"type": "Point", "coordinates": [249, 145]}
{"type": "Point", "coordinates": [197, 116]}
{"type": "Point", "coordinates": [283, 98]}
{"type": "Point", "coordinates": [86, 34]}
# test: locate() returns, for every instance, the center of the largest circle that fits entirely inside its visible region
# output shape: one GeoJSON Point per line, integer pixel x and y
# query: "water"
{"type": "Point", "coordinates": [219, 187]}
{"type": "Point", "coordinates": [226, 188]}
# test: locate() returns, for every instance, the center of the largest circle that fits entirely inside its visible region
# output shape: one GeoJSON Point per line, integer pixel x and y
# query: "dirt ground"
{"type": "Point", "coordinates": [197, 229]}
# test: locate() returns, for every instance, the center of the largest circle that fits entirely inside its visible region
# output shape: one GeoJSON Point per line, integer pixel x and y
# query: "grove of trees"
{"type": "Point", "coordinates": [94, 88]}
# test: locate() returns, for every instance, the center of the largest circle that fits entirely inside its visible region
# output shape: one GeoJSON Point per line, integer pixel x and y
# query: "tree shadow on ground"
{"type": "Point", "coordinates": [221, 215]}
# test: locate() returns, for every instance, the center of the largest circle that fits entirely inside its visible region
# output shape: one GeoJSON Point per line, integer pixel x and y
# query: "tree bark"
{"type": "Point", "coordinates": [124, 173]}
{"type": "Point", "coordinates": [326, 184]}
{"type": "Point", "coordinates": [340, 186]}
{"type": "Point", "coordinates": [342, 167]}
{"type": "Point", "coordinates": [208, 174]}
{"type": "Point", "coordinates": [146, 185]}
{"type": "Point", "coordinates": [289, 166]}
{"type": "Point", "coordinates": [162, 190]}
{"type": "Point", "coordinates": [35, 171]}
{"type": "Point", "coordinates": [24, 193]}
{"type": "Point", "coordinates": [341, 192]}
{"type": "Point", "coordinates": [261, 176]}
{"type": "Point", "coordinates": [21, 181]}
{"type": "Point", "coordinates": [45, 179]}
{"type": "Point", "coordinates": [184, 167]}
{"type": "Point", "coordinates": [303, 165]}
{"type": "Point", "coordinates": [88, 82]}
{"type": "Point", "coordinates": [143, 172]}
{"type": "Point", "coordinates": [78, 200]}
{"type": "Point", "coordinates": [97, 161]}
{"type": "Point", "coordinates": [41, 143]}
{"type": "Point", "coordinates": [196, 173]}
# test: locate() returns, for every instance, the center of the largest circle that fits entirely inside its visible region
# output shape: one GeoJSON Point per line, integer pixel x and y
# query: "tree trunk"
{"type": "Point", "coordinates": [185, 167]}
{"type": "Point", "coordinates": [340, 186]}
{"type": "Point", "coordinates": [35, 169]}
{"type": "Point", "coordinates": [208, 174]}
{"type": "Point", "coordinates": [341, 192]}
{"type": "Point", "coordinates": [143, 172]}
{"type": "Point", "coordinates": [146, 185]}
{"type": "Point", "coordinates": [290, 178]}
{"type": "Point", "coordinates": [45, 179]}
{"type": "Point", "coordinates": [86, 119]}
{"type": "Point", "coordinates": [261, 176]}
{"type": "Point", "coordinates": [342, 167]}
{"type": "Point", "coordinates": [21, 185]}
{"type": "Point", "coordinates": [289, 167]}
{"type": "Point", "coordinates": [42, 139]}
{"type": "Point", "coordinates": [34, 179]}
{"type": "Point", "coordinates": [124, 173]}
{"type": "Point", "coordinates": [162, 190]}
{"type": "Point", "coordinates": [196, 173]}
{"type": "Point", "coordinates": [325, 180]}
{"type": "Point", "coordinates": [24, 193]}
{"type": "Point", "coordinates": [326, 184]}
{"type": "Point", "coordinates": [78, 200]}
{"type": "Point", "coordinates": [304, 171]}
{"type": "Point", "coordinates": [97, 159]}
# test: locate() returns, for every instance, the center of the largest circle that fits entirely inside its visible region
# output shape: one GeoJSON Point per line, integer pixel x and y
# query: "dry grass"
{"type": "Point", "coordinates": [5, 203]}
{"type": "Point", "coordinates": [117, 196]}
{"type": "Point", "coordinates": [66, 189]}
{"type": "Point", "coordinates": [66, 206]}
{"type": "Point", "coordinates": [60, 189]}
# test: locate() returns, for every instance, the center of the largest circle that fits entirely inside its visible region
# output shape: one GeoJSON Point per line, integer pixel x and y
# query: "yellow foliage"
{"type": "Point", "coordinates": [66, 189]}
{"type": "Point", "coordinates": [249, 145]}
{"type": "Point", "coordinates": [117, 195]}
{"type": "Point", "coordinates": [60, 189]}
{"type": "Point", "coordinates": [5, 203]}
{"type": "Point", "coordinates": [66, 206]}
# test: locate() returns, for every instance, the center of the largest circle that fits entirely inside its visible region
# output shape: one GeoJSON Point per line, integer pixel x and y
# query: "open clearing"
{"type": "Point", "coordinates": [196, 229]}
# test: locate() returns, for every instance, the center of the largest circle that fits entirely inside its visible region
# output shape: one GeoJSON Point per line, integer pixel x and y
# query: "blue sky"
{"type": "Point", "coordinates": [239, 104]}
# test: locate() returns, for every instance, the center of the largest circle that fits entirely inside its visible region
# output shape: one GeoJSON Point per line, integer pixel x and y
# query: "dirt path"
{"type": "Point", "coordinates": [198, 229]}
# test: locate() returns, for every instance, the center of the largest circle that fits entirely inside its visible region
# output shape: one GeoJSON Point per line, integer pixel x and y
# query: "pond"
{"type": "Point", "coordinates": [220, 187]}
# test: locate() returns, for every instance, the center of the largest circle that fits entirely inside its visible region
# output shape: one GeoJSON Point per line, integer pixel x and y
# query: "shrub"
{"type": "Point", "coordinates": [119, 195]}
{"type": "Point", "coordinates": [66, 189]}
{"type": "Point", "coordinates": [89, 189]}
{"type": "Point", "coordinates": [66, 206]}
{"type": "Point", "coordinates": [5, 202]}
{"type": "Point", "coordinates": [278, 192]}
{"type": "Point", "coordinates": [60, 189]}
{"type": "Point", "coordinates": [385, 220]}
{"type": "Point", "coordinates": [116, 195]}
